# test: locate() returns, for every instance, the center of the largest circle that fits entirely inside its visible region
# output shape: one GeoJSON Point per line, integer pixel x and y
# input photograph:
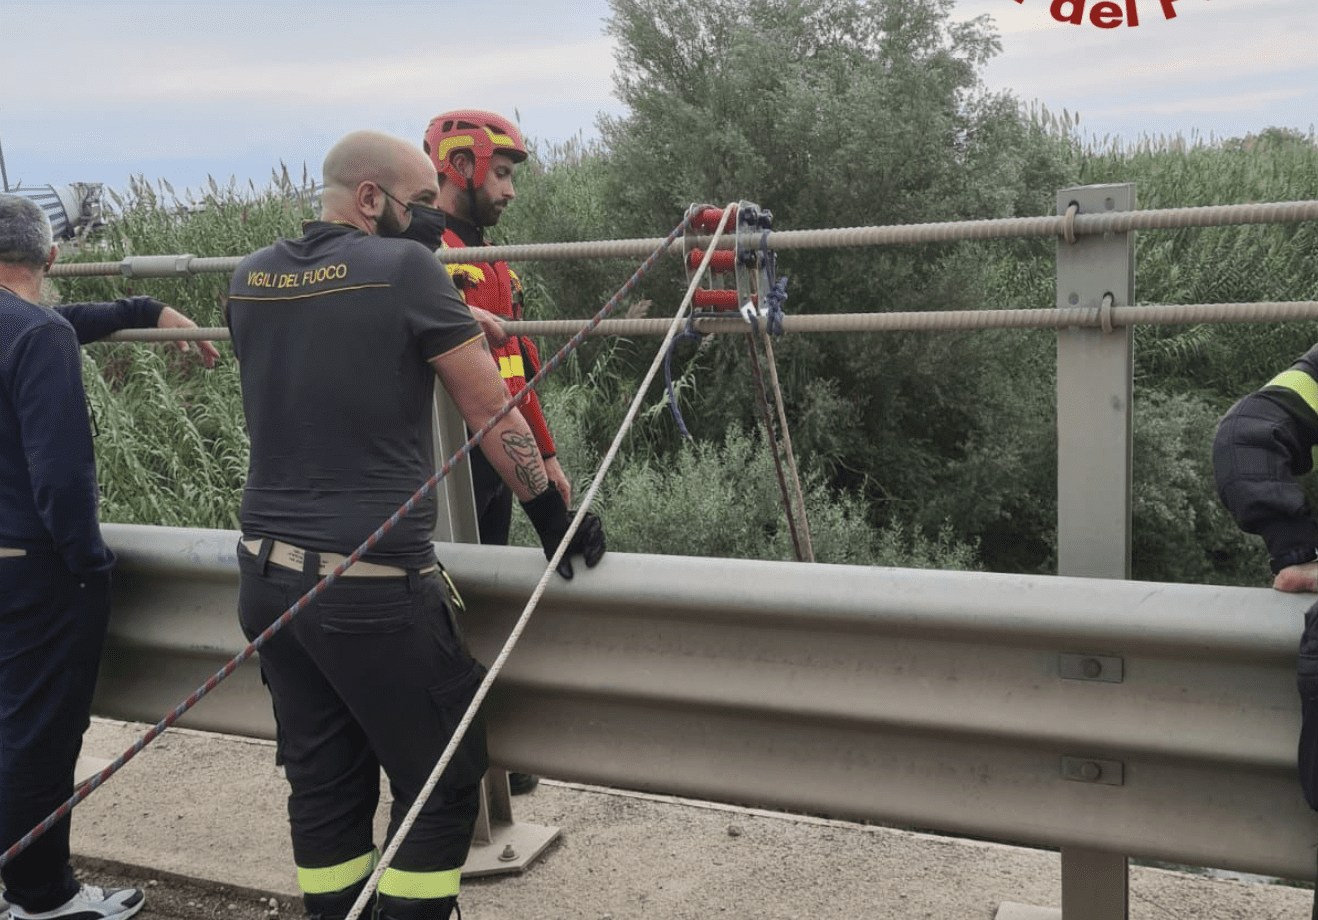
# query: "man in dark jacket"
{"type": "Point", "coordinates": [54, 568]}
{"type": "Point", "coordinates": [1263, 443]}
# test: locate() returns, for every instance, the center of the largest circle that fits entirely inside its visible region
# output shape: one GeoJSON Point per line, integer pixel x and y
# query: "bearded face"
{"type": "Point", "coordinates": [388, 224]}
{"type": "Point", "coordinates": [486, 209]}
{"type": "Point", "coordinates": [495, 193]}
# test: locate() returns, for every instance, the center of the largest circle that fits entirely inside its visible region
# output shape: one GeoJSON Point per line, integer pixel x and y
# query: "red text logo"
{"type": "Point", "coordinates": [1107, 14]}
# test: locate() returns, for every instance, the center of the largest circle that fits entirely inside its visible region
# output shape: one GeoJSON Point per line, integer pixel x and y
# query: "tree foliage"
{"type": "Point", "coordinates": [918, 448]}
{"type": "Point", "coordinates": [847, 113]}
{"type": "Point", "coordinates": [839, 113]}
{"type": "Point", "coordinates": [1265, 262]}
{"type": "Point", "coordinates": [172, 443]}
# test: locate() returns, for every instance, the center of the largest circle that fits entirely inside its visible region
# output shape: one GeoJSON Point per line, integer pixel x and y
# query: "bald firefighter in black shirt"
{"type": "Point", "coordinates": [338, 336]}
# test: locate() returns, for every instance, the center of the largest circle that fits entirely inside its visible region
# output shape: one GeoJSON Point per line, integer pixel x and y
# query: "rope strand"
{"type": "Point", "coordinates": [807, 550]}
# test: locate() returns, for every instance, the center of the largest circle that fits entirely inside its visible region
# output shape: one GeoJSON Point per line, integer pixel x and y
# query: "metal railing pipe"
{"type": "Point", "coordinates": [838, 237]}
{"type": "Point", "coordinates": [930, 321]}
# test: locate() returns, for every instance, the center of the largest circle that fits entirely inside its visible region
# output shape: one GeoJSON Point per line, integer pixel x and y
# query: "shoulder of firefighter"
{"type": "Point", "coordinates": [1262, 444]}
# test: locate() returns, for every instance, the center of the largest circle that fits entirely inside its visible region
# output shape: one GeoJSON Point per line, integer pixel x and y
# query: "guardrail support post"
{"type": "Point", "coordinates": [1094, 383]}
{"type": "Point", "coordinates": [499, 844]}
{"type": "Point", "coordinates": [456, 520]}
{"type": "Point", "coordinates": [1095, 885]}
{"type": "Point", "coordinates": [1094, 425]}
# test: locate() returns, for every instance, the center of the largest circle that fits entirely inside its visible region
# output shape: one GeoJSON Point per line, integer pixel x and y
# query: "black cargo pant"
{"type": "Point", "coordinates": [373, 673]}
{"type": "Point", "coordinates": [52, 627]}
{"type": "Point", "coordinates": [1307, 680]}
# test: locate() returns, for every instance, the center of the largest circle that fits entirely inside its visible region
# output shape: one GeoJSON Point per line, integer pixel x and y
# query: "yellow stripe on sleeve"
{"type": "Point", "coordinates": [1301, 383]}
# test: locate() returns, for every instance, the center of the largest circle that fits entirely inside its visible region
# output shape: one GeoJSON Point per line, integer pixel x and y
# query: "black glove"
{"type": "Point", "coordinates": [548, 514]}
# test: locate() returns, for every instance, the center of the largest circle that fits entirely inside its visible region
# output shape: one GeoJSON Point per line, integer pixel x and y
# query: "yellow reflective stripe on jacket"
{"type": "Point", "coordinates": [337, 878]}
{"type": "Point", "coordinates": [1301, 383]}
{"type": "Point", "coordinates": [400, 884]}
{"type": "Point", "coordinates": [473, 273]}
{"type": "Point", "coordinates": [511, 366]}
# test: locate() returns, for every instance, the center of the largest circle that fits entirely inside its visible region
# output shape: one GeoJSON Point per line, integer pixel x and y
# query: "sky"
{"type": "Point", "coordinates": [181, 90]}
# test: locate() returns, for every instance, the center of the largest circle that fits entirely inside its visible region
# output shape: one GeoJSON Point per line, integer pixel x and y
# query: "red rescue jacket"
{"type": "Point", "coordinates": [495, 287]}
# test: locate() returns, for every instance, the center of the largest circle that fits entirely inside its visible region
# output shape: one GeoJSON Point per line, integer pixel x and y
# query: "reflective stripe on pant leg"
{"type": "Point", "coordinates": [335, 878]}
{"type": "Point", "coordinates": [420, 885]}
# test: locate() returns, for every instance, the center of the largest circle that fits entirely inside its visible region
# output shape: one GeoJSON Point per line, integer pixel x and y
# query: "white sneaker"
{"type": "Point", "coordinates": [90, 903]}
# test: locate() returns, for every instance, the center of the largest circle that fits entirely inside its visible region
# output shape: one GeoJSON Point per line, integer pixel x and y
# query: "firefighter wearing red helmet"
{"type": "Point", "coordinates": [483, 134]}
{"type": "Point", "coordinates": [474, 153]}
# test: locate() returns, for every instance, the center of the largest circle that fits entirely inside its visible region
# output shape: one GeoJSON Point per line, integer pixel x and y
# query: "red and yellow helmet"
{"type": "Point", "coordinates": [483, 133]}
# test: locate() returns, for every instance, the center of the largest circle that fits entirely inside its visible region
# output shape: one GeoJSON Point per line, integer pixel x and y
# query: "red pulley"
{"type": "Point", "coordinates": [707, 220]}
{"type": "Point", "coordinates": [719, 300]}
{"type": "Point", "coordinates": [725, 260]}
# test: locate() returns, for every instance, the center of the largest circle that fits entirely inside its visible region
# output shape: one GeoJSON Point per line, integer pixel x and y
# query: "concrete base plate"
{"type": "Point", "coordinates": [512, 847]}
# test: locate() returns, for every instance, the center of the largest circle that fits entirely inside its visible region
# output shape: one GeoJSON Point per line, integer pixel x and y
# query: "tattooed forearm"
{"type": "Point", "coordinates": [526, 455]}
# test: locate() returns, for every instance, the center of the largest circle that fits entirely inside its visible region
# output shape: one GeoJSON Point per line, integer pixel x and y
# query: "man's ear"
{"type": "Point", "coordinates": [463, 163]}
{"type": "Point", "coordinates": [54, 254]}
{"type": "Point", "coordinates": [367, 198]}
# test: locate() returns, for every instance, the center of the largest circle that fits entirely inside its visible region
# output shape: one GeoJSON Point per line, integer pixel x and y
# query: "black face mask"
{"type": "Point", "coordinates": [427, 226]}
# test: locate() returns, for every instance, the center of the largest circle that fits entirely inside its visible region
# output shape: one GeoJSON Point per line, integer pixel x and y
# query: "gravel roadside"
{"type": "Point", "coordinates": [202, 815]}
{"type": "Point", "coordinates": [172, 897]}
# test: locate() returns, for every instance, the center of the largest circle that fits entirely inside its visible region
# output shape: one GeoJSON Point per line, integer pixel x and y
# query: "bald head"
{"type": "Point", "coordinates": [364, 165]}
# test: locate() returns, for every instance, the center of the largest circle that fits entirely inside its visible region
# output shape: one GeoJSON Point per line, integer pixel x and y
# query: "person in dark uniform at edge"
{"type": "Point", "coordinates": [1262, 444]}
{"type": "Point", "coordinates": [339, 335]}
{"type": "Point", "coordinates": [474, 153]}
{"type": "Point", "coordinates": [54, 566]}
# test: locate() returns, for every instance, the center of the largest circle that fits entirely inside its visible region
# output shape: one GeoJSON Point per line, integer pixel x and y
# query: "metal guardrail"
{"type": "Point", "coordinates": [1146, 719]}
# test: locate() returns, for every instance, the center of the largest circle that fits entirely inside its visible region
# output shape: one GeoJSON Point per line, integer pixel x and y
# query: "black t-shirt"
{"type": "Point", "coordinates": [332, 333]}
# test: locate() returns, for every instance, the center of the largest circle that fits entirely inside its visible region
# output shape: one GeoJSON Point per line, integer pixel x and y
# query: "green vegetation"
{"type": "Point", "coordinates": [172, 443]}
{"type": "Point", "coordinates": [933, 449]}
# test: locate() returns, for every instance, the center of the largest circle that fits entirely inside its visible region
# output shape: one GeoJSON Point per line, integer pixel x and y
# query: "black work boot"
{"type": "Point", "coordinates": [335, 905]}
{"type": "Point", "coordinates": [522, 783]}
{"type": "Point", "coordinates": [395, 908]}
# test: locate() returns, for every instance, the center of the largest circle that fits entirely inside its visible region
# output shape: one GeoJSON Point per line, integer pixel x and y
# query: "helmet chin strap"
{"type": "Point", "coordinates": [469, 183]}
{"type": "Point", "coordinates": [471, 208]}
